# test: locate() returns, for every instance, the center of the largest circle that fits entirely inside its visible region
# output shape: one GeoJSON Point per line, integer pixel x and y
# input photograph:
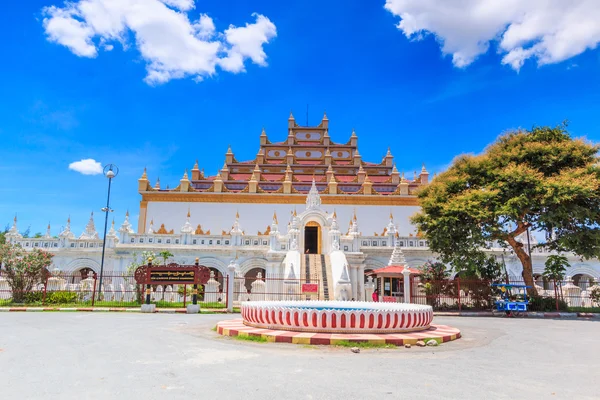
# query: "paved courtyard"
{"type": "Point", "coordinates": [166, 356]}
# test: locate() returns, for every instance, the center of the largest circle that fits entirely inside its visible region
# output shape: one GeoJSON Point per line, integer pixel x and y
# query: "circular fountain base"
{"type": "Point", "coordinates": [439, 333]}
{"type": "Point", "coordinates": [337, 316]}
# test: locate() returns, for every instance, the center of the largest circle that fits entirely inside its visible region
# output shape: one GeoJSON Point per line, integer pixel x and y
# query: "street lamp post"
{"type": "Point", "coordinates": [110, 171]}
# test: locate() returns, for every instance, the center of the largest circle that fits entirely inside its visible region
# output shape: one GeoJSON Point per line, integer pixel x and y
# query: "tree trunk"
{"type": "Point", "coordinates": [525, 263]}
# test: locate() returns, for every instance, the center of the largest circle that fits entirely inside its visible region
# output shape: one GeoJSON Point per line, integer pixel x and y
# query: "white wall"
{"type": "Point", "coordinates": [256, 217]}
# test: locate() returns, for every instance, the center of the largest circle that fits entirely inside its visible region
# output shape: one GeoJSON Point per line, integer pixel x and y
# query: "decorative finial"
{"type": "Point", "coordinates": [229, 149]}
{"type": "Point", "coordinates": [291, 115]}
{"type": "Point", "coordinates": [325, 115]}
{"type": "Point", "coordinates": [189, 214]}
{"type": "Point", "coordinates": [185, 176]}
{"type": "Point", "coordinates": [157, 186]}
{"type": "Point", "coordinates": [127, 214]}
{"type": "Point", "coordinates": [237, 215]}
{"type": "Point", "coordinates": [195, 166]}
{"type": "Point", "coordinates": [423, 170]}
{"type": "Point", "coordinates": [275, 217]}
{"type": "Point", "coordinates": [144, 175]}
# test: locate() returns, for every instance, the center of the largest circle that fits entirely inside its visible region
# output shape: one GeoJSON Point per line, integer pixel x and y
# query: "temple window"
{"type": "Point", "coordinates": [27, 244]}
{"type": "Point", "coordinates": [227, 242]}
{"type": "Point", "coordinates": [158, 240]}
{"type": "Point", "coordinates": [410, 244]}
{"type": "Point", "coordinates": [168, 240]}
{"type": "Point", "coordinates": [141, 240]}
{"type": "Point", "coordinates": [247, 243]}
{"type": "Point", "coordinates": [374, 243]}
{"type": "Point", "coordinates": [384, 243]}
{"type": "Point", "coordinates": [402, 244]}
{"type": "Point", "coordinates": [365, 243]}
{"type": "Point", "coordinates": [282, 247]}
{"type": "Point", "coordinates": [218, 242]}
{"type": "Point", "coordinates": [72, 244]}
{"type": "Point", "coordinates": [264, 242]}
{"type": "Point", "coordinates": [55, 244]}
{"type": "Point", "coordinates": [150, 240]}
{"type": "Point", "coordinates": [194, 241]}
{"type": "Point", "coordinates": [210, 242]}
{"type": "Point", "coordinates": [421, 244]}
{"type": "Point", "coordinates": [345, 248]}
{"type": "Point", "coordinates": [132, 240]}
{"type": "Point", "coordinates": [202, 241]}
{"type": "Point", "coordinates": [256, 242]}
{"type": "Point", "coordinates": [176, 241]}
{"type": "Point", "coordinates": [80, 244]}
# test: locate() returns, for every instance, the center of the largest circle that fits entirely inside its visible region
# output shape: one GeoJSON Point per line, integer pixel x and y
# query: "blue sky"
{"type": "Point", "coordinates": [348, 58]}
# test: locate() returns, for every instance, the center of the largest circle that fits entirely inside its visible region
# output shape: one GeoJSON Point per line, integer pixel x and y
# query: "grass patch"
{"type": "Point", "coordinates": [214, 329]}
{"type": "Point", "coordinates": [365, 345]}
{"type": "Point", "coordinates": [585, 309]}
{"type": "Point", "coordinates": [257, 339]}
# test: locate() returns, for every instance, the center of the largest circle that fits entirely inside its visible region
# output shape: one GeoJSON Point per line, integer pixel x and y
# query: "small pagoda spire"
{"type": "Point", "coordinates": [157, 185]}
{"type": "Point", "coordinates": [313, 200]}
{"type": "Point", "coordinates": [90, 229]}
{"type": "Point", "coordinates": [187, 228]}
{"type": "Point", "coordinates": [67, 232]}
{"type": "Point", "coordinates": [189, 214]}
{"type": "Point", "coordinates": [126, 225]}
{"type": "Point", "coordinates": [48, 235]}
{"type": "Point", "coordinates": [325, 116]}
{"type": "Point", "coordinates": [144, 175]}
{"type": "Point", "coordinates": [353, 133]}
{"type": "Point", "coordinates": [151, 228]}
{"type": "Point", "coordinates": [275, 217]}
{"type": "Point", "coordinates": [112, 233]}
{"type": "Point", "coordinates": [291, 117]}
{"type": "Point", "coordinates": [229, 151]}
{"type": "Point", "coordinates": [397, 257]}
{"type": "Point", "coordinates": [195, 172]}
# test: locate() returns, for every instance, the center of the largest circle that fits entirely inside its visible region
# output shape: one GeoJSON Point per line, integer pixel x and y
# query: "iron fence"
{"type": "Point", "coordinates": [118, 290]}
{"type": "Point", "coordinates": [275, 287]}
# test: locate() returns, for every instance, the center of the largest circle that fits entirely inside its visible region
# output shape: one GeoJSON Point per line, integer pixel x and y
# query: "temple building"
{"type": "Point", "coordinates": [305, 207]}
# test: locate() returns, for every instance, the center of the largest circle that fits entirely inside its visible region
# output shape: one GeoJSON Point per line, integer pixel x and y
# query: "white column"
{"type": "Point", "coordinates": [369, 288]}
{"type": "Point", "coordinates": [230, 283]}
{"type": "Point", "coordinates": [406, 274]}
{"type": "Point", "coordinates": [361, 282]}
{"type": "Point", "coordinates": [354, 279]}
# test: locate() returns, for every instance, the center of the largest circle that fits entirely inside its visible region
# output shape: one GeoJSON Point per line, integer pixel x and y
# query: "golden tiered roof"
{"type": "Point", "coordinates": [288, 167]}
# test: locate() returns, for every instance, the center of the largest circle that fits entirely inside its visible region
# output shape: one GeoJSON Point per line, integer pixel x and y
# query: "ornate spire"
{"type": "Point", "coordinates": [325, 116]}
{"type": "Point", "coordinates": [394, 169]}
{"type": "Point", "coordinates": [185, 176]}
{"type": "Point", "coordinates": [14, 232]}
{"type": "Point", "coordinates": [397, 257]}
{"type": "Point", "coordinates": [157, 186]}
{"type": "Point", "coordinates": [48, 235]}
{"type": "Point", "coordinates": [313, 200]}
{"type": "Point", "coordinates": [423, 170]}
{"type": "Point", "coordinates": [151, 228]}
{"type": "Point", "coordinates": [275, 217]}
{"type": "Point", "coordinates": [112, 233]}
{"type": "Point", "coordinates": [187, 227]}
{"type": "Point", "coordinates": [389, 153]}
{"type": "Point", "coordinates": [229, 151]}
{"type": "Point", "coordinates": [195, 167]}
{"type": "Point", "coordinates": [144, 175]}
{"type": "Point", "coordinates": [67, 234]}
{"type": "Point", "coordinates": [353, 133]}
{"type": "Point", "coordinates": [90, 229]}
{"type": "Point", "coordinates": [291, 116]}
{"type": "Point", "coordinates": [126, 225]}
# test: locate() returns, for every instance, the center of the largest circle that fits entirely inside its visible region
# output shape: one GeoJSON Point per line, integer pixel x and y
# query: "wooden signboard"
{"type": "Point", "coordinates": [172, 274]}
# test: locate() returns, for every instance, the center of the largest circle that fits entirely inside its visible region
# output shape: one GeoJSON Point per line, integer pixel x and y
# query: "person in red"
{"type": "Point", "coordinates": [375, 295]}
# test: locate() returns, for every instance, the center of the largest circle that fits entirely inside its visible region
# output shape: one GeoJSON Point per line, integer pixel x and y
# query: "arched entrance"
{"type": "Point", "coordinates": [312, 238]}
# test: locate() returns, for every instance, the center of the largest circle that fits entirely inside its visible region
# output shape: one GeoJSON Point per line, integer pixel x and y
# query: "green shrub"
{"type": "Point", "coordinates": [33, 298]}
{"type": "Point", "coordinates": [61, 297]}
{"type": "Point", "coordinates": [539, 303]}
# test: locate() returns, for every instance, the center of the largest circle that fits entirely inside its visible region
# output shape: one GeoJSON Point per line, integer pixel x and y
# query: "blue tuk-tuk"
{"type": "Point", "coordinates": [513, 298]}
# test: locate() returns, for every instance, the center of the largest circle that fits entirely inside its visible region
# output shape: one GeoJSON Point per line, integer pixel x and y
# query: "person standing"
{"type": "Point", "coordinates": [375, 296]}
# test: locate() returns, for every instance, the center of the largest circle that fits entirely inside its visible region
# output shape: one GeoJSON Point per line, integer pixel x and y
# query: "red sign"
{"type": "Point", "coordinates": [310, 288]}
{"type": "Point", "coordinates": [390, 299]}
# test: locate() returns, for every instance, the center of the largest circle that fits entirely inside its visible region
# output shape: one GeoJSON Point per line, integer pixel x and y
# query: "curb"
{"type": "Point", "coordinates": [237, 328]}
{"type": "Point", "coordinates": [528, 314]}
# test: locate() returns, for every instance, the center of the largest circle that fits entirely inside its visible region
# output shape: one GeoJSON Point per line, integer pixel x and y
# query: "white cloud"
{"type": "Point", "coordinates": [88, 166]}
{"type": "Point", "coordinates": [172, 46]}
{"type": "Point", "coordinates": [549, 31]}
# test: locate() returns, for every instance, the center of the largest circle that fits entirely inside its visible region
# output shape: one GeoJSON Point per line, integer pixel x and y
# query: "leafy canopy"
{"type": "Point", "coordinates": [540, 179]}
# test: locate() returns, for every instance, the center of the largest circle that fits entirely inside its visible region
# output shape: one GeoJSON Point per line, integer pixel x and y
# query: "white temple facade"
{"type": "Point", "coordinates": [303, 207]}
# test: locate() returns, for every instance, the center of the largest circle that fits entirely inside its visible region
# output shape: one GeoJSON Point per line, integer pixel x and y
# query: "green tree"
{"type": "Point", "coordinates": [540, 180]}
{"type": "Point", "coordinates": [165, 255]}
{"type": "Point", "coordinates": [556, 267]}
{"type": "Point", "coordinates": [23, 269]}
